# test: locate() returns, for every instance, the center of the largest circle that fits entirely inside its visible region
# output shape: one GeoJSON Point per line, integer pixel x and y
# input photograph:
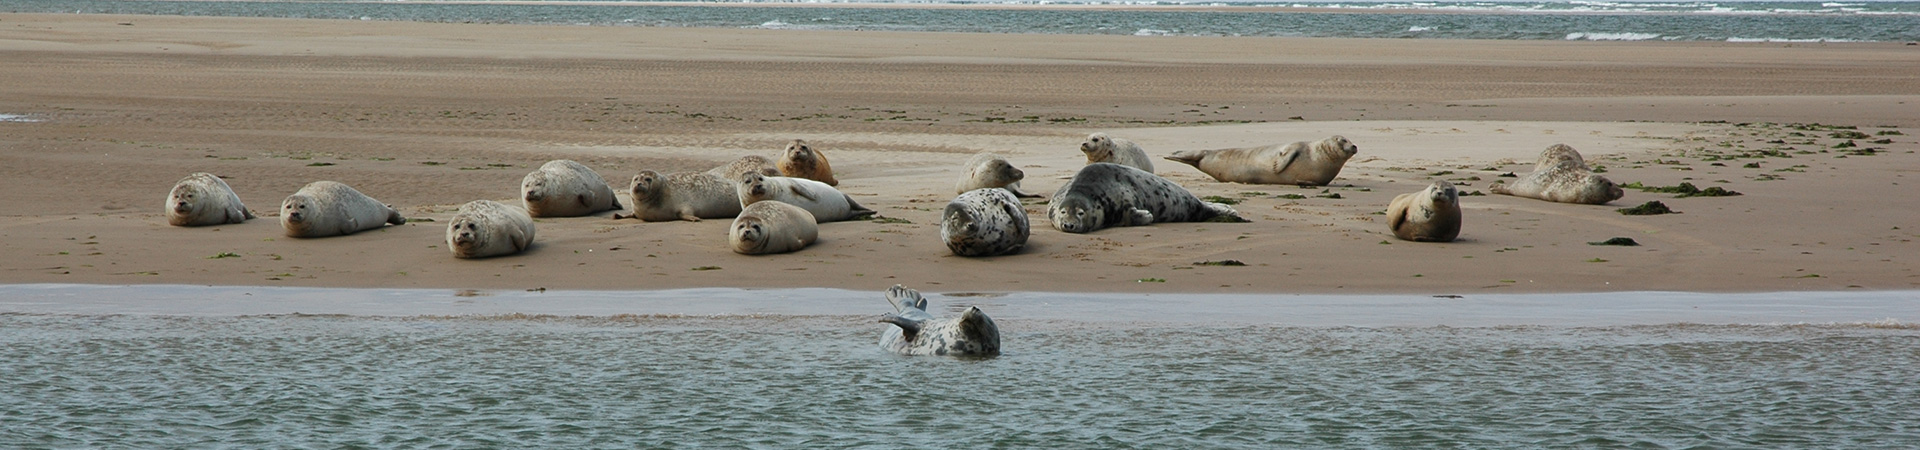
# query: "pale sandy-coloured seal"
{"type": "Point", "coordinates": [1561, 176]}
{"type": "Point", "coordinates": [771, 226]}
{"type": "Point", "coordinates": [1431, 215]}
{"type": "Point", "coordinates": [750, 163]}
{"type": "Point", "coordinates": [826, 203]}
{"type": "Point", "coordinates": [917, 333]}
{"type": "Point", "coordinates": [687, 196]}
{"type": "Point", "coordinates": [327, 208]}
{"type": "Point", "coordinates": [803, 161]}
{"type": "Point", "coordinates": [564, 188]}
{"type": "Point", "coordinates": [984, 222]}
{"type": "Point", "coordinates": [987, 170]}
{"type": "Point", "coordinates": [486, 228]}
{"type": "Point", "coordinates": [203, 199]}
{"type": "Point", "coordinates": [1300, 163]}
{"type": "Point", "coordinates": [1111, 195]}
{"type": "Point", "coordinates": [1101, 148]}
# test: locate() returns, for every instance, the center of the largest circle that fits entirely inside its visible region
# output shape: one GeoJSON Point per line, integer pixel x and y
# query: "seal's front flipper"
{"type": "Point", "coordinates": [903, 298]}
{"type": "Point", "coordinates": [1139, 217]}
{"type": "Point", "coordinates": [909, 328]}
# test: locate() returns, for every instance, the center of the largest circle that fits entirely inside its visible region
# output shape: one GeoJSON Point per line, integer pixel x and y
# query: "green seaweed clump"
{"type": "Point", "coordinates": [1221, 200]}
{"type": "Point", "coordinates": [1684, 189]}
{"type": "Point", "coordinates": [1652, 208]}
{"type": "Point", "coordinates": [1223, 262]}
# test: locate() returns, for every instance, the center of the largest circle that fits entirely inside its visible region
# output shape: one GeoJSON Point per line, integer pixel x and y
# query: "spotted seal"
{"type": "Point", "coordinates": [1431, 215]}
{"type": "Point", "coordinates": [750, 163]}
{"type": "Point", "coordinates": [916, 333]}
{"type": "Point", "coordinates": [486, 228]}
{"type": "Point", "coordinates": [327, 208]}
{"type": "Point", "coordinates": [1561, 176]}
{"type": "Point", "coordinates": [203, 199]}
{"type": "Point", "coordinates": [1101, 148]}
{"type": "Point", "coordinates": [689, 196]}
{"type": "Point", "coordinates": [987, 170]}
{"type": "Point", "coordinates": [802, 161]}
{"type": "Point", "coordinates": [826, 203]}
{"type": "Point", "coordinates": [564, 188]}
{"type": "Point", "coordinates": [1300, 163]}
{"type": "Point", "coordinates": [1111, 195]}
{"type": "Point", "coordinates": [984, 222]}
{"type": "Point", "coordinates": [771, 226]}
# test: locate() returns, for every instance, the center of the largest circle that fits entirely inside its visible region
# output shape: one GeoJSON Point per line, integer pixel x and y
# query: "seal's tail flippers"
{"type": "Point", "coordinates": [856, 211]}
{"type": "Point", "coordinates": [394, 217]}
{"type": "Point", "coordinates": [909, 328]}
{"type": "Point", "coordinates": [903, 298]}
{"type": "Point", "coordinates": [1188, 157]}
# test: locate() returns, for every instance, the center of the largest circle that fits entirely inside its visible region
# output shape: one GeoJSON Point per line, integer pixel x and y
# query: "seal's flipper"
{"type": "Point", "coordinates": [802, 193]}
{"type": "Point", "coordinates": [855, 211]}
{"type": "Point", "coordinates": [248, 213]}
{"type": "Point", "coordinates": [1293, 154]}
{"type": "Point", "coordinates": [909, 328]}
{"type": "Point", "coordinates": [903, 298]}
{"type": "Point", "coordinates": [1014, 187]}
{"type": "Point", "coordinates": [1188, 157]}
{"type": "Point", "coordinates": [1139, 217]}
{"type": "Point", "coordinates": [616, 203]}
{"type": "Point", "coordinates": [584, 202]}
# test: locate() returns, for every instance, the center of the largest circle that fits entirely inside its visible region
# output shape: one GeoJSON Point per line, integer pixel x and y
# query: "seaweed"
{"type": "Point", "coordinates": [1223, 262]}
{"type": "Point", "coordinates": [1620, 241]}
{"type": "Point", "coordinates": [1652, 208]}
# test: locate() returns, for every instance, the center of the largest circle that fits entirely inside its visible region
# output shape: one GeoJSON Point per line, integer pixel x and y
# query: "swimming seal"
{"type": "Point", "coordinates": [916, 333]}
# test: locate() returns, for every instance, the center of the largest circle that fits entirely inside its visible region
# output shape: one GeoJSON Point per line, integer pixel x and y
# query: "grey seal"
{"type": "Point", "coordinates": [984, 222]}
{"type": "Point", "coordinates": [486, 228]}
{"type": "Point", "coordinates": [1562, 176]}
{"type": "Point", "coordinates": [327, 208]}
{"type": "Point", "coordinates": [1111, 195]}
{"type": "Point", "coordinates": [917, 333]}
{"type": "Point", "coordinates": [203, 199]}
{"type": "Point", "coordinates": [1431, 215]}
{"type": "Point", "coordinates": [1102, 148]}
{"type": "Point", "coordinates": [987, 170]}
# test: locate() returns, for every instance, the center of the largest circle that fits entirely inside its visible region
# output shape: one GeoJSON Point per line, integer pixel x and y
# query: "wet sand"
{"type": "Point", "coordinates": [429, 116]}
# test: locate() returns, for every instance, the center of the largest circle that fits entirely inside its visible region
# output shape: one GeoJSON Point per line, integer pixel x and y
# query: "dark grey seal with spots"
{"type": "Point", "coordinates": [984, 222]}
{"type": "Point", "coordinates": [917, 333]}
{"type": "Point", "coordinates": [1105, 195]}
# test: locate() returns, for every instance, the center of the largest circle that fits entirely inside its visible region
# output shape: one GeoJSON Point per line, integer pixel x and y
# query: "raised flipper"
{"type": "Point", "coordinates": [855, 211]}
{"type": "Point", "coordinates": [903, 298]}
{"type": "Point", "coordinates": [909, 328]}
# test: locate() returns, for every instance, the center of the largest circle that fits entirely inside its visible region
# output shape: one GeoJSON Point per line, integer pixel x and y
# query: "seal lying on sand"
{"type": "Point", "coordinates": [1561, 176]}
{"type": "Point", "coordinates": [750, 163]}
{"type": "Point", "coordinates": [689, 196]}
{"type": "Point", "coordinates": [486, 228]}
{"type": "Point", "coordinates": [917, 333]}
{"type": "Point", "coordinates": [1101, 148]}
{"type": "Point", "coordinates": [563, 188]}
{"type": "Point", "coordinates": [984, 222]}
{"type": "Point", "coordinates": [1111, 195]}
{"type": "Point", "coordinates": [1300, 163]}
{"type": "Point", "coordinates": [987, 170]}
{"type": "Point", "coordinates": [767, 227]}
{"type": "Point", "coordinates": [326, 208]}
{"type": "Point", "coordinates": [826, 203]}
{"type": "Point", "coordinates": [203, 199]}
{"type": "Point", "coordinates": [1431, 215]}
{"type": "Point", "coordinates": [802, 161]}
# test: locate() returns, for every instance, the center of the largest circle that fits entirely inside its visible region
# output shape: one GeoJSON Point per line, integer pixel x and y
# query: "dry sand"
{"type": "Point", "coordinates": [429, 116]}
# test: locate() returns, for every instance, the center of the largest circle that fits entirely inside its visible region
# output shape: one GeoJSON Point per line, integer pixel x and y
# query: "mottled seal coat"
{"type": "Point", "coordinates": [564, 188]}
{"type": "Point", "coordinates": [917, 333]}
{"type": "Point", "coordinates": [750, 163]}
{"type": "Point", "coordinates": [1111, 195]}
{"type": "Point", "coordinates": [1101, 148]}
{"type": "Point", "coordinates": [1561, 176]}
{"type": "Point", "coordinates": [203, 199]}
{"type": "Point", "coordinates": [984, 222]}
{"type": "Point", "coordinates": [802, 161]}
{"type": "Point", "coordinates": [987, 170]}
{"type": "Point", "coordinates": [326, 208]}
{"type": "Point", "coordinates": [687, 196]}
{"type": "Point", "coordinates": [486, 228]}
{"type": "Point", "coordinates": [826, 203]}
{"type": "Point", "coordinates": [1300, 163]}
{"type": "Point", "coordinates": [770, 226]}
{"type": "Point", "coordinates": [1431, 215]}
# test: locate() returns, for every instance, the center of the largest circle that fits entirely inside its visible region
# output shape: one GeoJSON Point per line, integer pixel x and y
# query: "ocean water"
{"type": "Point", "coordinates": [1738, 21]}
{"type": "Point", "coordinates": [236, 367]}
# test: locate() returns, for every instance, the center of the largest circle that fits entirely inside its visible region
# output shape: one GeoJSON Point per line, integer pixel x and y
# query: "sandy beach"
{"type": "Point", "coordinates": [106, 112]}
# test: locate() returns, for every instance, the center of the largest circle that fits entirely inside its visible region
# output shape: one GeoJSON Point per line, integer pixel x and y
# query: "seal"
{"type": "Point", "coordinates": [1561, 176]}
{"type": "Point", "coordinates": [771, 226]}
{"type": "Point", "coordinates": [689, 196]}
{"type": "Point", "coordinates": [1101, 148]}
{"type": "Point", "coordinates": [1111, 195]}
{"type": "Point", "coordinates": [750, 163]}
{"type": "Point", "coordinates": [802, 161]}
{"type": "Point", "coordinates": [1300, 163]}
{"type": "Point", "coordinates": [486, 228]}
{"type": "Point", "coordinates": [826, 203]}
{"type": "Point", "coordinates": [327, 208]}
{"type": "Point", "coordinates": [987, 170]}
{"type": "Point", "coordinates": [984, 222]}
{"type": "Point", "coordinates": [564, 188]}
{"type": "Point", "coordinates": [1431, 215]}
{"type": "Point", "coordinates": [203, 199]}
{"type": "Point", "coordinates": [916, 333]}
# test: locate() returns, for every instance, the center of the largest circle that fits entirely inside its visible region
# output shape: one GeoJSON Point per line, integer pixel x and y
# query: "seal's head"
{"type": "Point", "coordinates": [646, 186]}
{"type": "Point", "coordinates": [533, 188]}
{"type": "Point", "coordinates": [1007, 171]}
{"type": "Point", "coordinates": [1340, 147]}
{"type": "Point", "coordinates": [798, 150]}
{"type": "Point", "coordinates": [464, 233]}
{"type": "Point", "coordinates": [298, 208]}
{"type": "Point", "coordinates": [1097, 145]}
{"type": "Point", "coordinates": [183, 198]}
{"type": "Point", "coordinates": [753, 186]}
{"type": "Point", "coordinates": [1075, 214]}
{"type": "Point", "coordinates": [1443, 193]}
{"type": "Point", "coordinates": [750, 232]}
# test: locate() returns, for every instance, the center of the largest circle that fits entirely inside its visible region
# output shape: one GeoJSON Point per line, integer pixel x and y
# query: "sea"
{"type": "Point", "coordinates": [92, 366]}
{"type": "Point", "coordinates": [1730, 21]}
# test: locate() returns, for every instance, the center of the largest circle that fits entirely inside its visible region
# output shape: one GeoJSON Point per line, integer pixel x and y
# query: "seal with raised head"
{"type": "Point", "coordinates": [750, 163]}
{"type": "Point", "coordinates": [1300, 163]}
{"type": "Point", "coordinates": [987, 170]}
{"type": "Point", "coordinates": [689, 196]}
{"type": "Point", "coordinates": [1101, 148]}
{"type": "Point", "coordinates": [803, 161]}
{"type": "Point", "coordinates": [486, 228]}
{"type": "Point", "coordinates": [564, 188]}
{"type": "Point", "coordinates": [916, 333]}
{"type": "Point", "coordinates": [826, 203]}
{"type": "Point", "coordinates": [768, 227]}
{"type": "Point", "coordinates": [1561, 176]}
{"type": "Point", "coordinates": [203, 199]}
{"type": "Point", "coordinates": [984, 222]}
{"type": "Point", "coordinates": [1431, 215]}
{"type": "Point", "coordinates": [327, 208]}
{"type": "Point", "coordinates": [1105, 195]}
